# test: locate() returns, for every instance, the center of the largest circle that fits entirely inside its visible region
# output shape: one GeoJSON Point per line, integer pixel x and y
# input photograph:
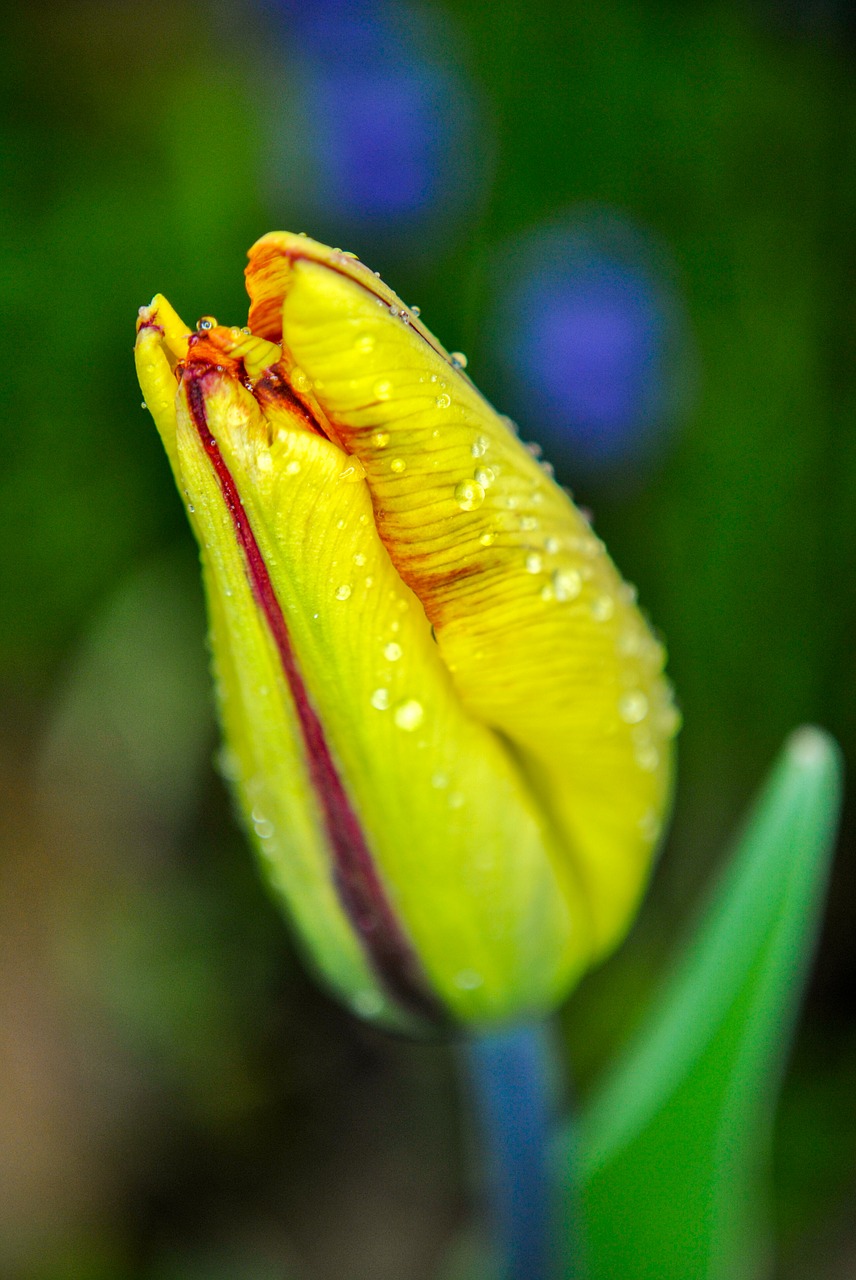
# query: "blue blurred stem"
{"type": "Point", "coordinates": [511, 1081]}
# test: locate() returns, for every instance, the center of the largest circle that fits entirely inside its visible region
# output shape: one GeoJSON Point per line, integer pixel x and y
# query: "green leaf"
{"type": "Point", "coordinates": [672, 1150]}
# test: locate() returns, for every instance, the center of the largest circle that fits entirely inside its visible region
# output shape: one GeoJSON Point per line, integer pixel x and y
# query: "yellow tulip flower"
{"type": "Point", "coordinates": [445, 718]}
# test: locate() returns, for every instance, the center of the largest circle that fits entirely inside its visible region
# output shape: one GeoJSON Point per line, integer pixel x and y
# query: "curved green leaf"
{"type": "Point", "coordinates": [672, 1148]}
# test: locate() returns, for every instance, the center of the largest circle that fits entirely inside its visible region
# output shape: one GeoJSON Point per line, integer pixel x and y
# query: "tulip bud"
{"type": "Point", "coordinates": [445, 719]}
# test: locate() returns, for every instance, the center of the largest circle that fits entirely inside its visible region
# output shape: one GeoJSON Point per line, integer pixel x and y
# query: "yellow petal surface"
{"type": "Point", "coordinates": [495, 917]}
{"type": "Point", "coordinates": [541, 639]}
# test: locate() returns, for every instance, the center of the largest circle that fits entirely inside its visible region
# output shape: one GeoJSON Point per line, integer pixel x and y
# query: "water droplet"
{"type": "Point", "coordinates": [669, 719]}
{"type": "Point", "coordinates": [649, 825]}
{"type": "Point", "coordinates": [191, 508]}
{"type": "Point", "coordinates": [534, 449]}
{"type": "Point", "coordinates": [383, 389]}
{"type": "Point", "coordinates": [246, 331]}
{"type": "Point", "coordinates": [393, 309]}
{"type": "Point", "coordinates": [443, 400]}
{"type": "Point", "coordinates": [299, 380]}
{"type": "Point", "coordinates": [468, 979]}
{"type": "Point", "coordinates": [364, 519]}
{"type": "Point", "coordinates": [459, 360]}
{"type": "Point", "coordinates": [602, 608]}
{"type": "Point", "coordinates": [380, 439]}
{"type": "Point", "coordinates": [439, 780]}
{"type": "Point", "coordinates": [264, 462]}
{"type": "Point", "coordinates": [469, 494]}
{"type": "Point", "coordinates": [552, 546]}
{"type": "Point", "coordinates": [547, 592]}
{"type": "Point", "coordinates": [263, 829]}
{"type": "Point", "coordinates": [457, 800]}
{"type": "Point", "coordinates": [369, 581]}
{"type": "Point", "coordinates": [359, 559]}
{"type": "Point", "coordinates": [533, 562]}
{"type": "Point", "coordinates": [485, 476]}
{"type": "Point", "coordinates": [292, 467]}
{"type": "Point", "coordinates": [340, 524]}
{"type": "Point", "coordinates": [567, 584]}
{"type": "Point", "coordinates": [365, 343]}
{"type": "Point", "coordinates": [392, 651]}
{"type": "Point", "coordinates": [628, 593]}
{"type": "Point", "coordinates": [398, 465]}
{"type": "Point", "coordinates": [647, 758]}
{"type": "Point", "coordinates": [380, 699]}
{"type": "Point", "coordinates": [409, 715]}
{"type": "Point", "coordinates": [528, 523]}
{"type": "Point", "coordinates": [487, 539]}
{"type": "Point", "coordinates": [480, 447]}
{"type": "Point", "coordinates": [205, 323]}
{"type": "Point", "coordinates": [343, 592]}
{"type": "Point", "coordinates": [417, 311]}
{"type": "Point", "coordinates": [143, 404]}
{"type": "Point", "coordinates": [633, 707]}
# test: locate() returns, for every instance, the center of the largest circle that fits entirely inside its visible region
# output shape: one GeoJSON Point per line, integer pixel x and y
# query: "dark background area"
{"type": "Point", "coordinates": [637, 221]}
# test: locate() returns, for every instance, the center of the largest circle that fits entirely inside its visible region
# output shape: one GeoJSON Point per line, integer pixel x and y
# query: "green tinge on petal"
{"type": "Point", "coordinates": [542, 639]}
{"type": "Point", "coordinates": [461, 845]}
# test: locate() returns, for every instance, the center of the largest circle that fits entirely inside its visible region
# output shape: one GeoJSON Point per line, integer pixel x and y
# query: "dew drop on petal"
{"type": "Point", "coordinates": [439, 780]}
{"type": "Point", "coordinates": [633, 707]}
{"type": "Point", "coordinates": [392, 652]}
{"type": "Point", "coordinates": [567, 584]}
{"type": "Point", "coordinates": [343, 592]}
{"type": "Point", "coordinates": [533, 562]}
{"type": "Point", "coordinates": [479, 447]}
{"type": "Point", "coordinates": [528, 523]}
{"type": "Point", "coordinates": [380, 699]}
{"type": "Point", "coordinates": [380, 439]}
{"type": "Point", "coordinates": [292, 467]}
{"type": "Point", "coordinates": [459, 360]}
{"type": "Point", "coordinates": [409, 715]}
{"type": "Point", "coordinates": [443, 400]}
{"type": "Point", "coordinates": [487, 539]}
{"type": "Point", "coordinates": [383, 389]}
{"type": "Point", "coordinates": [398, 465]}
{"type": "Point", "coordinates": [365, 343]}
{"type": "Point", "coordinates": [602, 608]}
{"type": "Point", "coordinates": [359, 559]}
{"type": "Point", "coordinates": [204, 323]}
{"type": "Point", "coordinates": [647, 758]}
{"type": "Point", "coordinates": [469, 495]}
{"type": "Point", "coordinates": [552, 546]}
{"type": "Point", "coordinates": [649, 825]}
{"type": "Point", "coordinates": [417, 311]}
{"type": "Point", "coordinates": [485, 476]}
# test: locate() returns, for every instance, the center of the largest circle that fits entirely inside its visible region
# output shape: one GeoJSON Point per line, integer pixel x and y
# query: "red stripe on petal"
{"type": "Point", "coordinates": [362, 894]}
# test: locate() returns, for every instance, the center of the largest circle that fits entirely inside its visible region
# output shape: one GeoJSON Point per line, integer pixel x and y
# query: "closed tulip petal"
{"type": "Point", "coordinates": [541, 637]}
{"type": "Point", "coordinates": [383, 907]}
{"type": "Point", "coordinates": [446, 723]}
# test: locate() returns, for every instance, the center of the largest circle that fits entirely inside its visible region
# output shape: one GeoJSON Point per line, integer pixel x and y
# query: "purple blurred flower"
{"type": "Point", "coordinates": [388, 125]}
{"type": "Point", "coordinates": [591, 337]}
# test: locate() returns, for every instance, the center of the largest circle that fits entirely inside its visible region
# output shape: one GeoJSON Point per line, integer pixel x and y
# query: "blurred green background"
{"type": "Point", "coordinates": [670, 190]}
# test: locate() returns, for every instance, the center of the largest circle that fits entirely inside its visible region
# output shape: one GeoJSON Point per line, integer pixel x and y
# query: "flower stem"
{"type": "Point", "coordinates": [510, 1077]}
